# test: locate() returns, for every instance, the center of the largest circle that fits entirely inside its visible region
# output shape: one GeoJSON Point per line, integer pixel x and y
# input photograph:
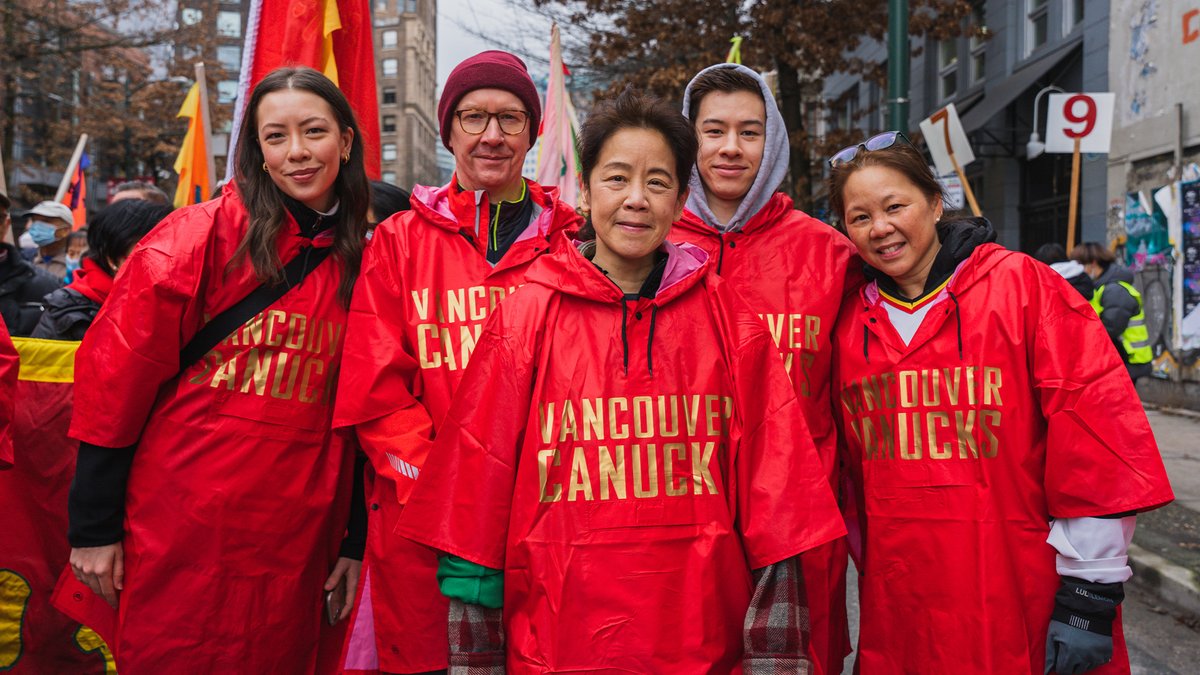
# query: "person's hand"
{"type": "Point", "coordinates": [343, 582]}
{"type": "Point", "coordinates": [102, 568]}
{"type": "Point", "coordinates": [1070, 650]}
{"type": "Point", "coordinates": [1079, 638]}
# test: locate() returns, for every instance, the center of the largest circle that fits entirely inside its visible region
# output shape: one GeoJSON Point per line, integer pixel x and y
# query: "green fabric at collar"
{"type": "Point", "coordinates": [471, 583]}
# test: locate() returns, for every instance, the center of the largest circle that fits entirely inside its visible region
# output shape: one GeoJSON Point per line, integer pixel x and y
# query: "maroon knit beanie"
{"type": "Point", "coordinates": [489, 70]}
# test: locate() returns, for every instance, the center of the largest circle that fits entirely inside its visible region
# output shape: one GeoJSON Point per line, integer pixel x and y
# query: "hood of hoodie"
{"type": "Point", "coordinates": [774, 166]}
{"type": "Point", "coordinates": [1113, 274]}
{"type": "Point", "coordinates": [452, 209]}
{"type": "Point", "coordinates": [565, 269]}
{"type": "Point", "coordinates": [959, 238]}
{"type": "Point", "coordinates": [1068, 269]}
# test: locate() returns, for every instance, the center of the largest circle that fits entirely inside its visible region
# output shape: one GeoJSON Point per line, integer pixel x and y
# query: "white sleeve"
{"type": "Point", "coordinates": [1093, 549]}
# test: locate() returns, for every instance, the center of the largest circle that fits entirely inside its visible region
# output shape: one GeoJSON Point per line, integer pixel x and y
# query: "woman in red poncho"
{"type": "Point", "coordinates": [211, 498]}
{"type": "Point", "coordinates": [625, 446]}
{"type": "Point", "coordinates": [997, 448]}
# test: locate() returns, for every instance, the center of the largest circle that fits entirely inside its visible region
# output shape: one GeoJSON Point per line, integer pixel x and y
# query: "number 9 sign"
{"type": "Point", "coordinates": [1086, 117]}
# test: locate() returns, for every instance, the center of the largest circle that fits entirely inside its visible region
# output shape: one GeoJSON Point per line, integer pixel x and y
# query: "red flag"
{"type": "Point", "coordinates": [333, 36]}
{"type": "Point", "coordinates": [77, 194]}
{"type": "Point", "coordinates": [38, 638]}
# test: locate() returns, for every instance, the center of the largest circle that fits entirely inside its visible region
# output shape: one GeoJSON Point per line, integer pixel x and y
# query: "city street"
{"type": "Point", "coordinates": [1161, 640]}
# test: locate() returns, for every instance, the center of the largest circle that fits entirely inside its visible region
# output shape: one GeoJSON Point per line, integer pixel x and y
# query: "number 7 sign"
{"type": "Point", "coordinates": [1086, 117]}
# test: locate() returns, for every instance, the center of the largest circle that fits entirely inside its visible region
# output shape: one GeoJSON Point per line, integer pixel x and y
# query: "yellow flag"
{"type": "Point", "coordinates": [333, 22]}
{"type": "Point", "coordinates": [192, 162]}
{"type": "Point", "coordinates": [735, 51]}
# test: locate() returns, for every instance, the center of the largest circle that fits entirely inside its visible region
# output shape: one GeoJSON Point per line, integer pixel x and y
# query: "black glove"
{"type": "Point", "coordinates": [1079, 638]}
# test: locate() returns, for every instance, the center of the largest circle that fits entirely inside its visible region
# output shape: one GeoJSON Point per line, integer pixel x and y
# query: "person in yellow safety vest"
{"type": "Point", "coordinates": [1119, 305]}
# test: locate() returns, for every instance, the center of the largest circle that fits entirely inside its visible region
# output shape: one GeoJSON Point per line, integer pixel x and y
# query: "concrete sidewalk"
{"type": "Point", "coordinates": [1165, 556]}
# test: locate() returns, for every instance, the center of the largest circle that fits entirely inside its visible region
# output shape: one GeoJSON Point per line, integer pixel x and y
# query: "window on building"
{"type": "Point", "coordinates": [844, 113]}
{"type": "Point", "coordinates": [190, 16]}
{"type": "Point", "coordinates": [389, 94]}
{"type": "Point", "coordinates": [947, 61]}
{"type": "Point", "coordinates": [226, 91]}
{"type": "Point", "coordinates": [229, 24]}
{"type": "Point", "coordinates": [389, 123]}
{"type": "Point", "coordinates": [389, 38]}
{"type": "Point", "coordinates": [381, 6]}
{"type": "Point", "coordinates": [1037, 24]}
{"type": "Point", "coordinates": [1072, 15]}
{"type": "Point", "coordinates": [978, 44]}
{"type": "Point", "coordinates": [230, 57]}
{"type": "Point", "coordinates": [410, 6]}
{"type": "Point", "coordinates": [390, 67]}
{"type": "Point", "coordinates": [389, 152]}
{"type": "Point", "coordinates": [878, 101]}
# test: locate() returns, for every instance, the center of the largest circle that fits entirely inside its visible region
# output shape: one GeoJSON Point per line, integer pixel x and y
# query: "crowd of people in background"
{"type": "Point", "coordinates": [327, 425]}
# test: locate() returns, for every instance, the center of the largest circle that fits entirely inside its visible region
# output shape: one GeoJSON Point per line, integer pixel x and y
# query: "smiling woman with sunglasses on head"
{"type": "Point", "coordinates": [211, 494]}
{"type": "Point", "coordinates": [987, 425]}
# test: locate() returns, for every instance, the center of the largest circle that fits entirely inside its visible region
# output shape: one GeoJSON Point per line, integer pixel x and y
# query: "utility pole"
{"type": "Point", "coordinates": [897, 76]}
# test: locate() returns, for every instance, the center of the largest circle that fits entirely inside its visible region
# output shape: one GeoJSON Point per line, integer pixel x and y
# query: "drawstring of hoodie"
{"type": "Point", "coordinates": [958, 322]}
{"type": "Point", "coordinates": [625, 336]}
{"type": "Point", "coordinates": [650, 340]}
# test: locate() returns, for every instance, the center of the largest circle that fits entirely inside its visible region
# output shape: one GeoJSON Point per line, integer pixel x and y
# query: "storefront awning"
{"type": "Point", "coordinates": [998, 98]}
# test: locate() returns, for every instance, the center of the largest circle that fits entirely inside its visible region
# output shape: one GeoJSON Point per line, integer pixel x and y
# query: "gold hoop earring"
{"type": "Point", "coordinates": [265, 169]}
{"type": "Point", "coordinates": [346, 158]}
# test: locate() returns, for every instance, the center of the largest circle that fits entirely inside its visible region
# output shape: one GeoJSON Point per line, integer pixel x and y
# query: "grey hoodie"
{"type": "Point", "coordinates": [771, 171]}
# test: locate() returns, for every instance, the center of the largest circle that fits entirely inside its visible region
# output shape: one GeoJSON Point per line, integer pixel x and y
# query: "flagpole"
{"type": "Point", "coordinates": [206, 125]}
{"type": "Point", "coordinates": [65, 184]}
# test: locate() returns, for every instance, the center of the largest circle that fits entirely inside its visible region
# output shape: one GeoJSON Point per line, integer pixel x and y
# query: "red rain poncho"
{"type": "Point", "coordinates": [793, 271]}
{"type": "Point", "coordinates": [36, 637]}
{"type": "Point", "coordinates": [626, 463]}
{"type": "Point", "coordinates": [239, 491]}
{"type": "Point", "coordinates": [962, 452]}
{"type": "Point", "coordinates": [419, 307]}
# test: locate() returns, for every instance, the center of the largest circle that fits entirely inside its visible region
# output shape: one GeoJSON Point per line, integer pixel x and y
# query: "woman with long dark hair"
{"type": "Point", "coordinates": [211, 495]}
{"type": "Point", "coordinates": [997, 451]}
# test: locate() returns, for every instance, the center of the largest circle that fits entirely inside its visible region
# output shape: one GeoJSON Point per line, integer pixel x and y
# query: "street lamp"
{"type": "Point", "coordinates": [1035, 146]}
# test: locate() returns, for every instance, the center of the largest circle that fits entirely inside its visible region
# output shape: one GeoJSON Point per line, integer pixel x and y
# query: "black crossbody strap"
{"type": "Point", "coordinates": [224, 324]}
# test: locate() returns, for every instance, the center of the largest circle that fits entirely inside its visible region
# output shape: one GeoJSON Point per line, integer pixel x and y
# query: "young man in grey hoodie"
{"type": "Point", "coordinates": [793, 270]}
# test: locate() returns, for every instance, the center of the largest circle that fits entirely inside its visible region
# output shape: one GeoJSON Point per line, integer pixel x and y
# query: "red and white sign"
{"type": "Point", "coordinates": [1087, 117]}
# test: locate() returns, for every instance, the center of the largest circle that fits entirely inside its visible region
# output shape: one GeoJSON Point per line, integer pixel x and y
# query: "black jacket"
{"type": "Point", "coordinates": [1117, 305]}
{"type": "Point", "coordinates": [68, 315]}
{"type": "Point", "coordinates": [21, 291]}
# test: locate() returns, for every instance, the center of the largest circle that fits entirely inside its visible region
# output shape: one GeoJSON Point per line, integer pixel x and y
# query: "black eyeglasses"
{"type": "Point", "coordinates": [475, 122]}
{"type": "Point", "coordinates": [877, 142]}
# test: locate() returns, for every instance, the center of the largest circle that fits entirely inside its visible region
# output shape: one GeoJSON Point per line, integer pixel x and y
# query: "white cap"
{"type": "Point", "coordinates": [51, 209]}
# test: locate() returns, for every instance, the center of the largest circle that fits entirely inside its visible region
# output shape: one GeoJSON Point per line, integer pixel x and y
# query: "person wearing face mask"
{"type": "Point", "coordinates": [431, 277]}
{"type": "Point", "coordinates": [48, 228]}
{"type": "Point", "coordinates": [791, 268]}
{"type": "Point", "coordinates": [625, 445]}
{"type": "Point", "coordinates": [212, 498]}
{"type": "Point", "coordinates": [110, 238]}
{"type": "Point", "coordinates": [998, 452]}
{"type": "Point", "coordinates": [22, 286]}
{"type": "Point", "coordinates": [76, 248]}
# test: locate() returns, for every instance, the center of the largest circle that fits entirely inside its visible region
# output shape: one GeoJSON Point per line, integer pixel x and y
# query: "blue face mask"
{"type": "Point", "coordinates": [43, 234]}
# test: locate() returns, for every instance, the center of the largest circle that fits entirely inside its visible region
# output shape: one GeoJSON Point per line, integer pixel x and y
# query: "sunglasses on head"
{"type": "Point", "coordinates": [877, 142]}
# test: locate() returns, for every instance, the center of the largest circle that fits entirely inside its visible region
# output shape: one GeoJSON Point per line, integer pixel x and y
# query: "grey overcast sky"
{"type": "Point", "coordinates": [460, 24]}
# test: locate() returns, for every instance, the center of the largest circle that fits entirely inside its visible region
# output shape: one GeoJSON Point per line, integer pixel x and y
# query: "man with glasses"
{"type": "Point", "coordinates": [793, 271]}
{"type": "Point", "coordinates": [22, 286]}
{"type": "Point", "coordinates": [430, 278]}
